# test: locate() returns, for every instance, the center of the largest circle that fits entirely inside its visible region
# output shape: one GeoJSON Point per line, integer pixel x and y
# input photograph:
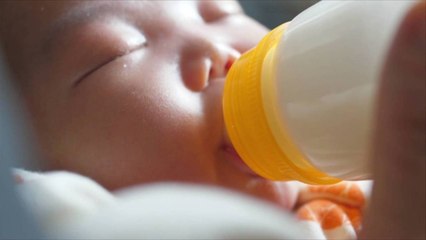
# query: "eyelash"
{"type": "Point", "coordinates": [110, 60]}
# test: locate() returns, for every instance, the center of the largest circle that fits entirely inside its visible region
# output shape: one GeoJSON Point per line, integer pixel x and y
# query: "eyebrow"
{"type": "Point", "coordinates": [78, 16]}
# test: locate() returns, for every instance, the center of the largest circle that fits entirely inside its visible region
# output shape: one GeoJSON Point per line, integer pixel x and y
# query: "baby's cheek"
{"type": "Point", "coordinates": [289, 192]}
{"type": "Point", "coordinates": [284, 194]}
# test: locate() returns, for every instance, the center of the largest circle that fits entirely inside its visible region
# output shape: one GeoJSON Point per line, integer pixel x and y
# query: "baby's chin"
{"type": "Point", "coordinates": [237, 175]}
{"type": "Point", "coordinates": [283, 194]}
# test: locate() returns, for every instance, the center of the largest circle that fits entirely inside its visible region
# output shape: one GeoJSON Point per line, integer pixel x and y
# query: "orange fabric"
{"type": "Point", "coordinates": [354, 215]}
{"type": "Point", "coordinates": [347, 192]}
{"type": "Point", "coordinates": [332, 206]}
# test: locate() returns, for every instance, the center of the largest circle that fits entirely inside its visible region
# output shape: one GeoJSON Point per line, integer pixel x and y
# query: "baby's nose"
{"type": "Point", "coordinates": [222, 57]}
{"type": "Point", "coordinates": [203, 61]}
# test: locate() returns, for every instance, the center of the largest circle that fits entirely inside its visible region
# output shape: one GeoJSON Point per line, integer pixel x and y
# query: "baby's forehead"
{"type": "Point", "coordinates": [29, 30]}
{"type": "Point", "coordinates": [46, 21]}
{"type": "Point", "coordinates": [77, 17]}
{"type": "Point", "coordinates": [43, 28]}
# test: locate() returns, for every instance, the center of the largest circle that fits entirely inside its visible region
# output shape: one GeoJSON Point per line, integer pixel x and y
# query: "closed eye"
{"type": "Point", "coordinates": [107, 62]}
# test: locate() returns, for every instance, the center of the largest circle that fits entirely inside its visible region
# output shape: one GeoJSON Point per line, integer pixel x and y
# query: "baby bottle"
{"type": "Point", "coordinates": [299, 105]}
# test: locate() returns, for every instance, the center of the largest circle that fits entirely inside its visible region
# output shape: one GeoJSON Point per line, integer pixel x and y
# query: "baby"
{"type": "Point", "coordinates": [130, 92]}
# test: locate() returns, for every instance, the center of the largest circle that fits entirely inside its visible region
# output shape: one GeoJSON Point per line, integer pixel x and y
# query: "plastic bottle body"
{"type": "Point", "coordinates": [318, 83]}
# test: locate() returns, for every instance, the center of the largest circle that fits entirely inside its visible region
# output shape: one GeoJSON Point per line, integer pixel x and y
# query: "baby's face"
{"type": "Point", "coordinates": [131, 92]}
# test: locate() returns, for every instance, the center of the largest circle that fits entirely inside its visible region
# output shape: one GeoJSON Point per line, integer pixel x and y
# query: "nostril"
{"type": "Point", "coordinates": [229, 64]}
{"type": "Point", "coordinates": [223, 57]}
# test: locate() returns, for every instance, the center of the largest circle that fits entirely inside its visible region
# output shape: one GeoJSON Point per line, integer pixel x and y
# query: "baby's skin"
{"type": "Point", "coordinates": [131, 92]}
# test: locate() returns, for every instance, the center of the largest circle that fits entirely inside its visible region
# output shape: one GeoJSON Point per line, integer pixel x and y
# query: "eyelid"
{"type": "Point", "coordinates": [109, 60]}
{"type": "Point", "coordinates": [212, 11]}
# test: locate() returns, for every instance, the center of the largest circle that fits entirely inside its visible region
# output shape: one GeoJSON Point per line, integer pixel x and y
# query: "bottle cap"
{"type": "Point", "coordinates": [246, 120]}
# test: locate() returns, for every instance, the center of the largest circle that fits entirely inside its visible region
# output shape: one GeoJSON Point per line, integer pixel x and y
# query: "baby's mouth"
{"type": "Point", "coordinates": [238, 162]}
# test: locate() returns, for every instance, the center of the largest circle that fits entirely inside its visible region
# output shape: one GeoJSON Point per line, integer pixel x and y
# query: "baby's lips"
{"type": "Point", "coordinates": [238, 161]}
{"type": "Point", "coordinates": [236, 158]}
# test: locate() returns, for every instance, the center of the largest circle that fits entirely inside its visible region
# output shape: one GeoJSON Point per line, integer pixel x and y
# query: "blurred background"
{"type": "Point", "coordinates": [272, 13]}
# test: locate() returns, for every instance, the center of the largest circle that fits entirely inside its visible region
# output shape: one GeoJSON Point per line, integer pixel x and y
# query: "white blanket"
{"type": "Point", "coordinates": [72, 206]}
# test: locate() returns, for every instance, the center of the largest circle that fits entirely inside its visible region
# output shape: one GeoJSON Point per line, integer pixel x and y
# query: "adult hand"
{"type": "Point", "coordinates": [397, 209]}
